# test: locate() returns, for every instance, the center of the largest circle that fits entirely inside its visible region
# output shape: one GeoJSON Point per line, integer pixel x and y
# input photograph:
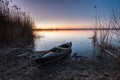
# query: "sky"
{"type": "Point", "coordinates": [67, 13]}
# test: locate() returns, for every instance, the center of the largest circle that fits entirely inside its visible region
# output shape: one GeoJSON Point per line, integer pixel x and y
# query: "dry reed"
{"type": "Point", "coordinates": [15, 25]}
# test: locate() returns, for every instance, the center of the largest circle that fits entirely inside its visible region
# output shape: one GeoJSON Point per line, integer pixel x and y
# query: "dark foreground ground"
{"type": "Point", "coordinates": [15, 66]}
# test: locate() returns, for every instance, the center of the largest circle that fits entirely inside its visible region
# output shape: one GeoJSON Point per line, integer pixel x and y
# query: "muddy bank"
{"type": "Point", "coordinates": [82, 69]}
{"type": "Point", "coordinates": [13, 66]}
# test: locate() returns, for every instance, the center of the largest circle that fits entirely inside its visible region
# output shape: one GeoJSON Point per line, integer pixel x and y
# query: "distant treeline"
{"type": "Point", "coordinates": [15, 24]}
{"type": "Point", "coordinates": [78, 29]}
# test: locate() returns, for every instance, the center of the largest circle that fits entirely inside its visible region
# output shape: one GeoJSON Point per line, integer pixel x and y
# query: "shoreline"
{"type": "Point", "coordinates": [76, 29]}
{"type": "Point", "coordinates": [15, 67]}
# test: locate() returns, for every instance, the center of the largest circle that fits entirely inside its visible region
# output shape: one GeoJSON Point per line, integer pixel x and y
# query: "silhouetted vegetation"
{"type": "Point", "coordinates": [108, 41]}
{"type": "Point", "coordinates": [15, 24]}
{"type": "Point", "coordinates": [115, 22]}
{"type": "Point", "coordinates": [101, 38]}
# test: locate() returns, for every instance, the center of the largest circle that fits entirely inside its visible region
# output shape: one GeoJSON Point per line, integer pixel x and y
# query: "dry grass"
{"type": "Point", "coordinates": [15, 24]}
{"type": "Point", "coordinates": [107, 39]}
{"type": "Point", "coordinates": [115, 23]}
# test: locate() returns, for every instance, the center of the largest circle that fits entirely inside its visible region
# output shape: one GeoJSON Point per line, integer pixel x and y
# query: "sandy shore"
{"type": "Point", "coordinates": [16, 67]}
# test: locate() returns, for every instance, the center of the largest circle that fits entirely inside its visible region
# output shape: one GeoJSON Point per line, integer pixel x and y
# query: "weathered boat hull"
{"type": "Point", "coordinates": [58, 54]}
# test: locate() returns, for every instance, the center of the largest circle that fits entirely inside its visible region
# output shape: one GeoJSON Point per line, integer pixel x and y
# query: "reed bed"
{"type": "Point", "coordinates": [15, 24]}
{"type": "Point", "coordinates": [115, 22]}
{"type": "Point", "coordinates": [107, 41]}
{"type": "Point", "coordinates": [102, 38]}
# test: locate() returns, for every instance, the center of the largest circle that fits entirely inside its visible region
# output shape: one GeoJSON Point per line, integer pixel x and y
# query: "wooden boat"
{"type": "Point", "coordinates": [55, 54]}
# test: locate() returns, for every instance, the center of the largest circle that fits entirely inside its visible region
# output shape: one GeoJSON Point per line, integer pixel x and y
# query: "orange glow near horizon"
{"type": "Point", "coordinates": [45, 25]}
{"type": "Point", "coordinates": [48, 25]}
{"type": "Point", "coordinates": [58, 34]}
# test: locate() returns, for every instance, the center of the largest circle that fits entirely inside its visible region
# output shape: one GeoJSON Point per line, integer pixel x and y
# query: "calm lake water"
{"type": "Point", "coordinates": [81, 44]}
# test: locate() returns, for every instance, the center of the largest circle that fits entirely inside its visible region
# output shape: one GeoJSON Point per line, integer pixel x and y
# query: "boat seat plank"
{"type": "Point", "coordinates": [62, 48]}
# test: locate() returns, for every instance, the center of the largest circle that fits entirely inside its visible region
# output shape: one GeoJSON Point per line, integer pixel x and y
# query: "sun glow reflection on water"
{"type": "Point", "coordinates": [81, 43]}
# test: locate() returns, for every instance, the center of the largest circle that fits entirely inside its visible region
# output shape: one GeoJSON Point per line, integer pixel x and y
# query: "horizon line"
{"type": "Point", "coordinates": [77, 29]}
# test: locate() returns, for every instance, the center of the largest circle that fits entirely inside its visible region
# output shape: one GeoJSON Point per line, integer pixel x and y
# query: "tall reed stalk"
{"type": "Point", "coordinates": [107, 39]}
{"type": "Point", "coordinates": [115, 23]}
{"type": "Point", "coordinates": [101, 38]}
{"type": "Point", "coordinates": [15, 25]}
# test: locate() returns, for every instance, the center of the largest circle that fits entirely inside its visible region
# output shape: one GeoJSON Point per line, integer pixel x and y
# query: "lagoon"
{"type": "Point", "coordinates": [81, 44]}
